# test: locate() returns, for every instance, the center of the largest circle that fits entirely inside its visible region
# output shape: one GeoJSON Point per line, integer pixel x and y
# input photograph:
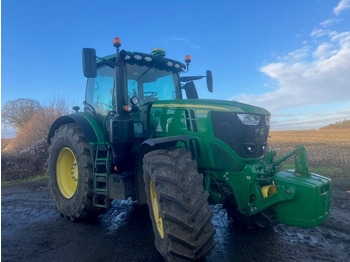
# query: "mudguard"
{"type": "Point", "coordinates": [147, 146]}
{"type": "Point", "coordinates": [89, 125]}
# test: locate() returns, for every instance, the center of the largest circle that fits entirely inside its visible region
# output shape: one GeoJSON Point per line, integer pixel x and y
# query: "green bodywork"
{"type": "Point", "coordinates": [301, 198]}
{"type": "Point", "coordinates": [298, 197]}
{"type": "Point", "coordinates": [101, 139]}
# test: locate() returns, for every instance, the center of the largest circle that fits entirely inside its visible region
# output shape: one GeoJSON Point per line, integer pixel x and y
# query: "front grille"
{"type": "Point", "coordinates": [247, 141]}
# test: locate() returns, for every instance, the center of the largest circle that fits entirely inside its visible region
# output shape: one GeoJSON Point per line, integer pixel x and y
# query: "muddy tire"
{"type": "Point", "coordinates": [179, 211]}
{"type": "Point", "coordinates": [70, 170]}
{"type": "Point", "coordinates": [264, 219]}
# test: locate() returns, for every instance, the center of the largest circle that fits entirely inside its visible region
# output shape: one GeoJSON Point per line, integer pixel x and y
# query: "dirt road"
{"type": "Point", "coordinates": [32, 230]}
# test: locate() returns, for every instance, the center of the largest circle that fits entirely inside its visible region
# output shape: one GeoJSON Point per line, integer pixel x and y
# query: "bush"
{"type": "Point", "coordinates": [29, 162]}
{"type": "Point", "coordinates": [25, 155]}
{"type": "Point", "coordinates": [36, 129]}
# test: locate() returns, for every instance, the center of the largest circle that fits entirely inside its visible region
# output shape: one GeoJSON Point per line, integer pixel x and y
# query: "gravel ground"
{"type": "Point", "coordinates": [32, 230]}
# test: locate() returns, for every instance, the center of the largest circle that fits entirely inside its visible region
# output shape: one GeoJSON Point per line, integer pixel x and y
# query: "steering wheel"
{"type": "Point", "coordinates": [152, 94]}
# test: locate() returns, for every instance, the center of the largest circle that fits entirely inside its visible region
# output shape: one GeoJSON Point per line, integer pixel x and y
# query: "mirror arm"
{"type": "Point", "coordinates": [107, 62]}
{"type": "Point", "coordinates": [190, 78]}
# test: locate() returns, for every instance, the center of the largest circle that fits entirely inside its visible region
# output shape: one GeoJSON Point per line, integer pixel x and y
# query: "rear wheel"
{"type": "Point", "coordinates": [70, 170]}
{"type": "Point", "coordinates": [178, 206]}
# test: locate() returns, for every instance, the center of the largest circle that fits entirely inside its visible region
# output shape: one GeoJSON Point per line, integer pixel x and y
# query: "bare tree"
{"type": "Point", "coordinates": [38, 126]}
{"type": "Point", "coordinates": [18, 112]}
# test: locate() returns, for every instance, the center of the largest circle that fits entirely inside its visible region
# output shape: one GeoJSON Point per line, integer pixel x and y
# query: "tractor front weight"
{"type": "Point", "coordinates": [298, 197]}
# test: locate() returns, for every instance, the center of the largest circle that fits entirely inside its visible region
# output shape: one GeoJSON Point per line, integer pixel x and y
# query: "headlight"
{"type": "Point", "coordinates": [267, 120]}
{"type": "Point", "coordinates": [134, 100]}
{"type": "Point", "coordinates": [138, 57]}
{"type": "Point", "coordinates": [250, 120]}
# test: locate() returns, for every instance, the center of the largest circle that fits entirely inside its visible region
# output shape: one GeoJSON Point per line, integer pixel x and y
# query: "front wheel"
{"type": "Point", "coordinates": [70, 170]}
{"type": "Point", "coordinates": [179, 211]}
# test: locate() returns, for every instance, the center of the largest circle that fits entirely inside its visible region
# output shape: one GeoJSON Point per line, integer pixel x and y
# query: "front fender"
{"type": "Point", "coordinates": [147, 146]}
{"type": "Point", "coordinates": [89, 125]}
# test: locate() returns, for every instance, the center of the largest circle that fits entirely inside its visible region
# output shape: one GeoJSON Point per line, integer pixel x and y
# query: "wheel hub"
{"type": "Point", "coordinates": [67, 174]}
{"type": "Point", "coordinates": [156, 211]}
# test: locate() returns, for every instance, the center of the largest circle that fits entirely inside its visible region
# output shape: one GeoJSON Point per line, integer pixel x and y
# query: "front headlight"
{"type": "Point", "coordinates": [250, 120]}
{"type": "Point", "coordinates": [134, 100]}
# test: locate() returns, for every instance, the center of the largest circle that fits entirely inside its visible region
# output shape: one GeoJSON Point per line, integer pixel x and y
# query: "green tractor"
{"type": "Point", "coordinates": [145, 135]}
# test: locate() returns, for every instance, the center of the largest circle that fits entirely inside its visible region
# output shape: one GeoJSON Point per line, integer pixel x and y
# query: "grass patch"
{"type": "Point", "coordinates": [24, 181]}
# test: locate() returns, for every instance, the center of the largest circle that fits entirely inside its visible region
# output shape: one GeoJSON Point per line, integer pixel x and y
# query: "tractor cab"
{"type": "Point", "coordinates": [122, 88]}
{"type": "Point", "coordinates": [146, 82]}
{"type": "Point", "coordinates": [145, 78]}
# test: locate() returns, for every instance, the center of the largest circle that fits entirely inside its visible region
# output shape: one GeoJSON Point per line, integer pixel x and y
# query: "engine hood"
{"type": "Point", "coordinates": [212, 105]}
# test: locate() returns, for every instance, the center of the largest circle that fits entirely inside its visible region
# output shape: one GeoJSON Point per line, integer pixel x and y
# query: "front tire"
{"type": "Point", "coordinates": [70, 170]}
{"type": "Point", "coordinates": [177, 202]}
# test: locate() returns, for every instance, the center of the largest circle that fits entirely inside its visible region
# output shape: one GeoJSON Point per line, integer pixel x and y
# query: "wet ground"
{"type": "Point", "coordinates": [32, 230]}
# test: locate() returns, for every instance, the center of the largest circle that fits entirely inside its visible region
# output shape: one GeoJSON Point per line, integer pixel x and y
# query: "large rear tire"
{"type": "Point", "coordinates": [178, 206]}
{"type": "Point", "coordinates": [70, 170]}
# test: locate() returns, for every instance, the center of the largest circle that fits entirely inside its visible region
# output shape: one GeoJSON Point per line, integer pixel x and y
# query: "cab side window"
{"type": "Point", "coordinates": [100, 90]}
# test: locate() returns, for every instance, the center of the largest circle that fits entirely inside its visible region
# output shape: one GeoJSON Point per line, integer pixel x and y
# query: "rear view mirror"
{"type": "Point", "coordinates": [210, 81]}
{"type": "Point", "coordinates": [89, 62]}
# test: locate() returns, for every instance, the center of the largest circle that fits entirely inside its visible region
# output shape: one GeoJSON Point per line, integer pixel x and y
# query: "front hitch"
{"type": "Point", "coordinates": [300, 160]}
{"type": "Point", "coordinates": [300, 198]}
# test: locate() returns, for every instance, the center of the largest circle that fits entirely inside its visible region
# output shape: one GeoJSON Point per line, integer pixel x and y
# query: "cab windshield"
{"type": "Point", "coordinates": [151, 84]}
{"type": "Point", "coordinates": [147, 83]}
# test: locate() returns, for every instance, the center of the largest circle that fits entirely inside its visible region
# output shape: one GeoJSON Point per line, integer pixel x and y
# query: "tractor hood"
{"type": "Point", "coordinates": [211, 105]}
{"type": "Point", "coordinates": [226, 124]}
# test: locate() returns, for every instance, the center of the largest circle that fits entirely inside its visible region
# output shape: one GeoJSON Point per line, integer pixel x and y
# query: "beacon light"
{"type": "Point", "coordinates": [116, 42]}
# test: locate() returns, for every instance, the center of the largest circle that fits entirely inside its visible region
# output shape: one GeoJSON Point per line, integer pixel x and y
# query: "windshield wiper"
{"type": "Point", "coordinates": [144, 73]}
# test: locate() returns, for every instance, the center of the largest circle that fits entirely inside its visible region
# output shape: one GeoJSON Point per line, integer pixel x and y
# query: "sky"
{"type": "Point", "coordinates": [291, 57]}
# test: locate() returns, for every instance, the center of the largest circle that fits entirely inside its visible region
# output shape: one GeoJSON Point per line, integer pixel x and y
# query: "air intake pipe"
{"type": "Point", "coordinates": [121, 125]}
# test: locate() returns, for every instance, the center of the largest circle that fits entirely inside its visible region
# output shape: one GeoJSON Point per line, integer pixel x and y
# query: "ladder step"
{"type": "Point", "coordinates": [100, 174]}
{"type": "Point", "coordinates": [101, 179]}
{"type": "Point", "coordinates": [101, 191]}
{"type": "Point", "coordinates": [100, 200]}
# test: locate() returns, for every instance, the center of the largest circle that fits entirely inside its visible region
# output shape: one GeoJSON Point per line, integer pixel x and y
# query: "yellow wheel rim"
{"type": "Point", "coordinates": [156, 210]}
{"type": "Point", "coordinates": [67, 172]}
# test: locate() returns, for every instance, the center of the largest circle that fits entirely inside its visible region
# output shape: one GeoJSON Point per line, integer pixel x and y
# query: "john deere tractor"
{"type": "Point", "coordinates": [144, 134]}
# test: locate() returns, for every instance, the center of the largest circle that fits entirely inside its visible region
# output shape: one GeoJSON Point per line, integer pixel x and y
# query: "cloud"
{"type": "Point", "coordinates": [311, 120]}
{"type": "Point", "coordinates": [330, 22]}
{"type": "Point", "coordinates": [320, 32]}
{"type": "Point", "coordinates": [343, 4]}
{"type": "Point", "coordinates": [324, 51]}
{"type": "Point", "coordinates": [296, 54]}
{"type": "Point", "coordinates": [326, 79]}
{"type": "Point", "coordinates": [310, 75]}
{"type": "Point", "coordinates": [182, 39]}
